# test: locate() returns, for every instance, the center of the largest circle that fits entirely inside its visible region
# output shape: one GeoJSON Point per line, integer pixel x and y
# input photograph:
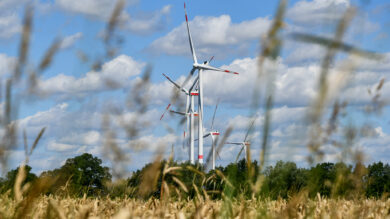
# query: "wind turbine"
{"type": "Point", "coordinates": [189, 112]}
{"type": "Point", "coordinates": [214, 134]}
{"type": "Point", "coordinates": [245, 145]}
{"type": "Point", "coordinates": [200, 68]}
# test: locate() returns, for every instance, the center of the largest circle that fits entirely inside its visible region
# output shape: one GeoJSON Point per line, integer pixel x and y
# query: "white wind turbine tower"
{"type": "Point", "coordinates": [189, 112]}
{"type": "Point", "coordinates": [245, 145]}
{"type": "Point", "coordinates": [200, 68]}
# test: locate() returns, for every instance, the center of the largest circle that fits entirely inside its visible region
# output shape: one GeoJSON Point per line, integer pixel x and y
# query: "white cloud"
{"type": "Point", "coordinates": [317, 11]}
{"type": "Point", "coordinates": [85, 138]}
{"type": "Point", "coordinates": [11, 4]}
{"type": "Point", "coordinates": [68, 41]}
{"type": "Point", "coordinates": [142, 23]}
{"type": "Point", "coordinates": [9, 25]}
{"type": "Point", "coordinates": [60, 147]}
{"type": "Point", "coordinates": [294, 85]}
{"type": "Point", "coordinates": [147, 23]}
{"type": "Point", "coordinates": [7, 64]}
{"type": "Point", "coordinates": [96, 8]}
{"type": "Point", "coordinates": [211, 36]}
{"type": "Point", "coordinates": [115, 74]}
{"type": "Point", "coordinates": [305, 53]}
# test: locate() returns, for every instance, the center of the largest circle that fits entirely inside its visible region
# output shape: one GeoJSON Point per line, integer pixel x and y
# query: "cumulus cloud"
{"type": "Point", "coordinates": [68, 41]}
{"type": "Point", "coordinates": [147, 23]}
{"type": "Point", "coordinates": [317, 11]}
{"type": "Point", "coordinates": [60, 147]}
{"type": "Point", "coordinates": [95, 8]}
{"type": "Point", "coordinates": [9, 25]}
{"type": "Point", "coordinates": [6, 64]}
{"type": "Point", "coordinates": [142, 23]}
{"type": "Point", "coordinates": [211, 36]}
{"type": "Point", "coordinates": [114, 74]}
{"type": "Point", "coordinates": [295, 85]}
{"type": "Point", "coordinates": [305, 53]}
{"type": "Point", "coordinates": [71, 132]}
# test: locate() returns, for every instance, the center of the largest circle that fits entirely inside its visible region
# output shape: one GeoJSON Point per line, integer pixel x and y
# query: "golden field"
{"type": "Point", "coordinates": [297, 207]}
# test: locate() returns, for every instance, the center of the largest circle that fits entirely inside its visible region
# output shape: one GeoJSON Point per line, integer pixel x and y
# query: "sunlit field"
{"type": "Point", "coordinates": [52, 207]}
{"type": "Point", "coordinates": [136, 147]}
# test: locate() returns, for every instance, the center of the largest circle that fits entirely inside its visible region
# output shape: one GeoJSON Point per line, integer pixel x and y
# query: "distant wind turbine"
{"type": "Point", "coordinates": [200, 68]}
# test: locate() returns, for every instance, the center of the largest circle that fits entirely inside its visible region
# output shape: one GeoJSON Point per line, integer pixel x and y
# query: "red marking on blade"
{"type": "Point", "coordinates": [227, 71]}
{"type": "Point", "coordinates": [186, 18]}
{"type": "Point", "coordinates": [215, 133]}
{"type": "Point", "coordinates": [200, 156]}
{"type": "Point", "coordinates": [196, 114]}
{"type": "Point", "coordinates": [236, 73]}
{"type": "Point", "coordinates": [184, 5]}
{"type": "Point", "coordinates": [194, 94]}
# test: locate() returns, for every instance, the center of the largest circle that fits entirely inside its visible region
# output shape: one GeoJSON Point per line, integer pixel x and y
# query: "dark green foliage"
{"type": "Point", "coordinates": [331, 180]}
{"type": "Point", "coordinates": [186, 176]}
{"type": "Point", "coordinates": [80, 175]}
{"type": "Point", "coordinates": [85, 175]}
{"type": "Point", "coordinates": [8, 183]}
{"type": "Point", "coordinates": [284, 179]}
{"type": "Point", "coordinates": [378, 180]}
{"type": "Point", "coordinates": [321, 178]}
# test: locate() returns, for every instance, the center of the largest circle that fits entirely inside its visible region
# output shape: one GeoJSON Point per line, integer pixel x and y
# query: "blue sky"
{"type": "Point", "coordinates": [72, 99]}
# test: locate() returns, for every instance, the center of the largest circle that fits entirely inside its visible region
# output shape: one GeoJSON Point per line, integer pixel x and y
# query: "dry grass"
{"type": "Point", "coordinates": [55, 207]}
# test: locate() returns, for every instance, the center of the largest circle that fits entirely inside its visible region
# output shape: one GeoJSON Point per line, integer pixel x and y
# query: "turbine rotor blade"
{"type": "Point", "coordinates": [250, 128]}
{"type": "Point", "coordinates": [211, 59]}
{"type": "Point", "coordinates": [176, 85]}
{"type": "Point", "coordinates": [238, 155]}
{"type": "Point", "coordinates": [208, 67]}
{"type": "Point", "coordinates": [219, 157]}
{"type": "Point", "coordinates": [235, 143]}
{"type": "Point", "coordinates": [204, 136]}
{"type": "Point", "coordinates": [189, 36]}
{"type": "Point", "coordinates": [194, 84]}
{"type": "Point", "coordinates": [181, 113]}
{"type": "Point", "coordinates": [188, 78]}
{"type": "Point", "coordinates": [212, 121]}
{"type": "Point", "coordinates": [184, 139]}
{"type": "Point", "coordinates": [166, 109]}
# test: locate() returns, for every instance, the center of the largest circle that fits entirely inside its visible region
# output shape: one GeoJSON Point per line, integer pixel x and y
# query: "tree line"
{"type": "Point", "coordinates": [85, 175]}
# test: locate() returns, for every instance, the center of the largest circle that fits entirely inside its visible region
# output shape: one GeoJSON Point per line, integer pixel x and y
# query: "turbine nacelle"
{"type": "Point", "coordinates": [194, 93]}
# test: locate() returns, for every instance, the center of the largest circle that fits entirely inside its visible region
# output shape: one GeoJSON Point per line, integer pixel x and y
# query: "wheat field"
{"type": "Point", "coordinates": [55, 207]}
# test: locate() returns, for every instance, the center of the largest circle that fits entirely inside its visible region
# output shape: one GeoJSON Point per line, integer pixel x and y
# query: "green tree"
{"type": "Point", "coordinates": [82, 175]}
{"type": "Point", "coordinates": [321, 178]}
{"type": "Point", "coordinates": [283, 179]}
{"type": "Point", "coordinates": [9, 181]}
{"type": "Point", "coordinates": [378, 180]}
